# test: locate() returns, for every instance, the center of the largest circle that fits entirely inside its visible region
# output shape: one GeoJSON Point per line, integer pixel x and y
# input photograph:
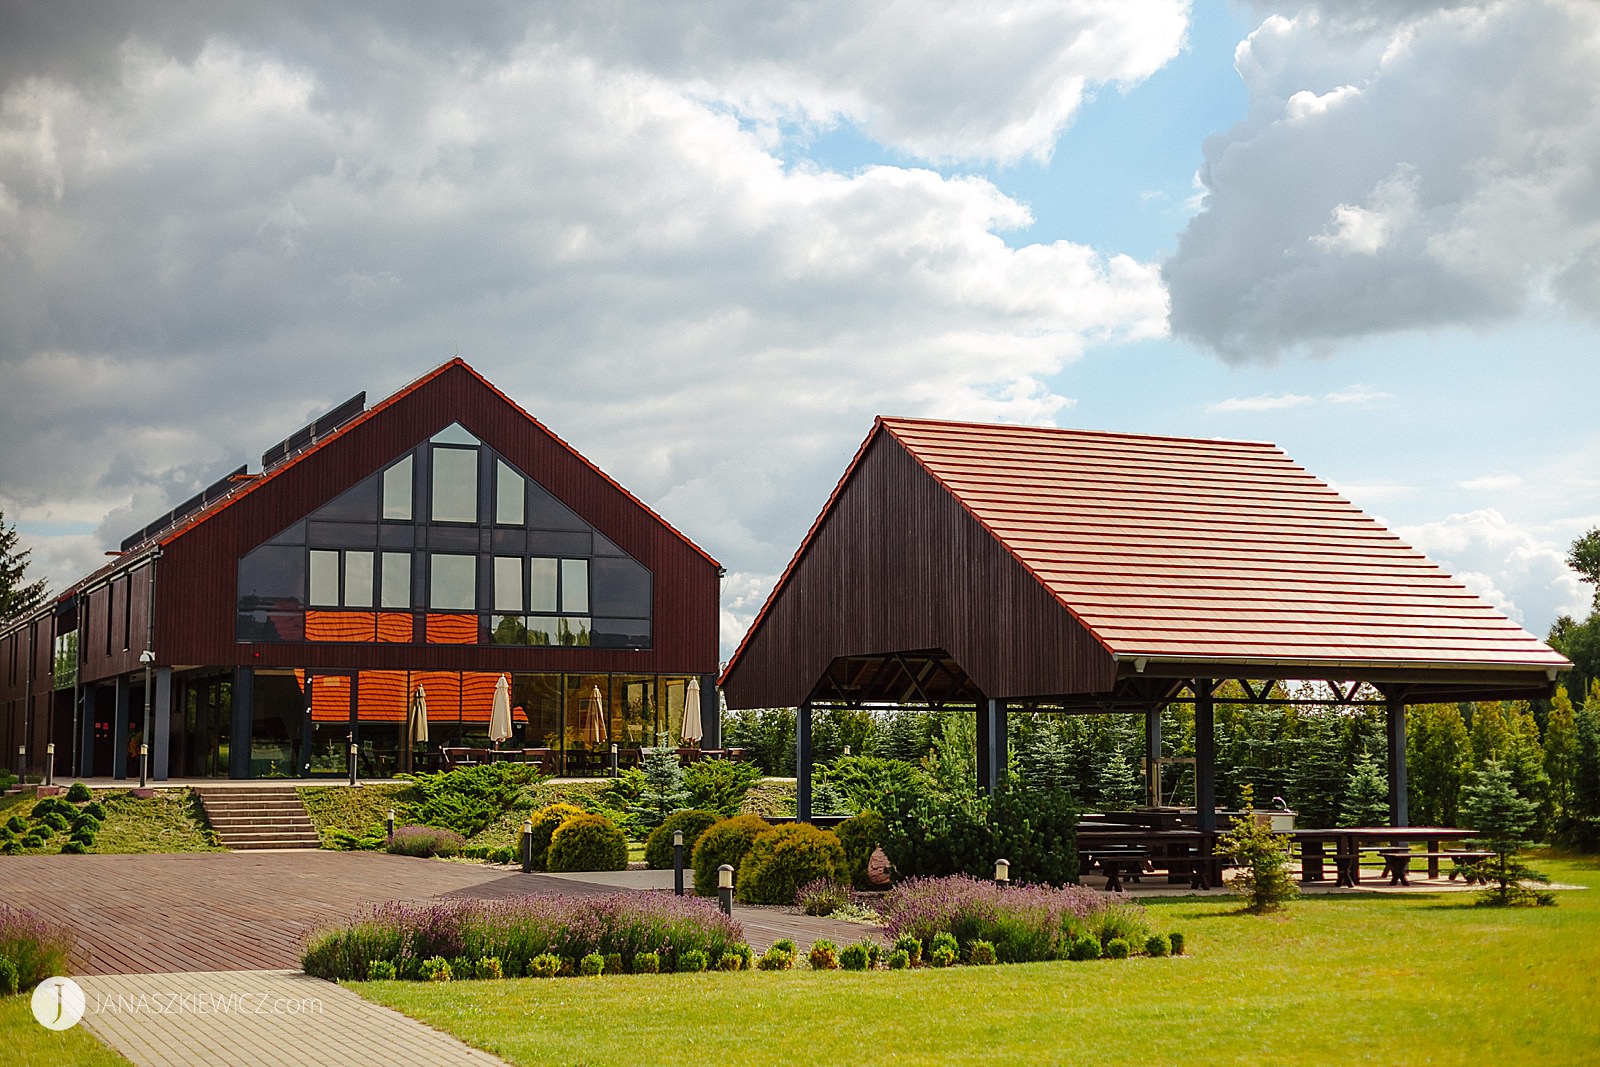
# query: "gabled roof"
{"type": "Point", "coordinates": [1182, 548]}
{"type": "Point", "coordinates": [1046, 562]}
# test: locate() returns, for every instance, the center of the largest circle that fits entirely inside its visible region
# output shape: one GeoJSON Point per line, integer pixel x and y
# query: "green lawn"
{"type": "Point", "coordinates": [170, 821]}
{"type": "Point", "coordinates": [1414, 979]}
{"type": "Point", "coordinates": [31, 1045]}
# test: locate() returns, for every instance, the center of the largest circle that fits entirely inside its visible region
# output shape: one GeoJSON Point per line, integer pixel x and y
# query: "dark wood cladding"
{"type": "Point", "coordinates": [197, 573]}
{"type": "Point", "coordinates": [896, 564]}
{"type": "Point", "coordinates": [129, 594]}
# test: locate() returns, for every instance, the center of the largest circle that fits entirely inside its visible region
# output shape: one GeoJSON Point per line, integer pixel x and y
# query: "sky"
{"type": "Point", "coordinates": [707, 242]}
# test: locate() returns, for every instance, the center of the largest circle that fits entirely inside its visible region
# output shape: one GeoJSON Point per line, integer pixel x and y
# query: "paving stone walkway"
{"type": "Point", "coordinates": [250, 1018]}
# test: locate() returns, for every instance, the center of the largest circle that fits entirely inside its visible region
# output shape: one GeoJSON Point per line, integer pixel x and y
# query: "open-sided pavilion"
{"type": "Point", "coordinates": [1008, 568]}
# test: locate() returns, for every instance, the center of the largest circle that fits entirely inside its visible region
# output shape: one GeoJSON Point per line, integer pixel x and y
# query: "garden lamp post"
{"type": "Point", "coordinates": [389, 826]}
{"type": "Point", "coordinates": [527, 845]}
{"type": "Point", "coordinates": [148, 658]}
{"type": "Point", "coordinates": [677, 862]}
{"type": "Point", "coordinates": [50, 764]}
{"type": "Point", "coordinates": [725, 888]}
{"type": "Point", "coordinates": [1002, 873]}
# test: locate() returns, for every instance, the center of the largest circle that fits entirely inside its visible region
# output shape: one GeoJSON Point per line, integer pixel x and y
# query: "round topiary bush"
{"type": "Point", "coordinates": [56, 821]}
{"type": "Point", "coordinates": [783, 859]}
{"type": "Point", "coordinates": [726, 842]}
{"type": "Point", "coordinates": [859, 836]}
{"type": "Point", "coordinates": [545, 823]}
{"type": "Point", "coordinates": [79, 793]}
{"type": "Point", "coordinates": [17, 825]}
{"type": "Point", "coordinates": [587, 843]}
{"type": "Point", "coordinates": [658, 847]}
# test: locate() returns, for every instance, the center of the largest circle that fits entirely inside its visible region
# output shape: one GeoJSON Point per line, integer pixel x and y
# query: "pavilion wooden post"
{"type": "Point", "coordinates": [802, 763]}
{"type": "Point", "coordinates": [992, 746]}
{"type": "Point", "coordinates": [1205, 757]}
{"type": "Point", "coordinates": [1399, 813]}
{"type": "Point", "coordinates": [1152, 755]}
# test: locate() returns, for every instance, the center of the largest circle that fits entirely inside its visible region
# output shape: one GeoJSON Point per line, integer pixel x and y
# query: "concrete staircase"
{"type": "Point", "coordinates": [252, 817]}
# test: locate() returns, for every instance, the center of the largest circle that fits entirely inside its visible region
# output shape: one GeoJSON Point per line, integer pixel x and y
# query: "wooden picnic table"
{"type": "Point", "coordinates": [1350, 841]}
{"type": "Point", "coordinates": [1180, 853]}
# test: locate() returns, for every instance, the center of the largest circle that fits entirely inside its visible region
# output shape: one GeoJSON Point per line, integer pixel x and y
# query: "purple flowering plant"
{"type": "Point", "coordinates": [1023, 922]}
{"type": "Point", "coordinates": [37, 947]}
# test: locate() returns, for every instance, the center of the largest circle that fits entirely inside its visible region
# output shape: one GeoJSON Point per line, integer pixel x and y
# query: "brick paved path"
{"type": "Point", "coordinates": [226, 911]}
{"type": "Point", "coordinates": [249, 1018]}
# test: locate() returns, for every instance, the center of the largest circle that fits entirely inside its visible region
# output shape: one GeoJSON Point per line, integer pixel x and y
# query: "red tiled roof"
{"type": "Point", "coordinates": [1179, 548]}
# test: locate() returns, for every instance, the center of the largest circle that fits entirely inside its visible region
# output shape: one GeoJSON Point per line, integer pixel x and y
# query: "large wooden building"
{"type": "Point", "coordinates": [1025, 568]}
{"type": "Point", "coordinates": [380, 562]}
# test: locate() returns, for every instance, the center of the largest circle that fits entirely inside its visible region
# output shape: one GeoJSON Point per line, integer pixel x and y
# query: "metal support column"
{"type": "Point", "coordinates": [985, 761]}
{"type": "Point", "coordinates": [89, 712]}
{"type": "Point", "coordinates": [239, 725]}
{"type": "Point", "coordinates": [1399, 813]}
{"type": "Point", "coordinates": [119, 730]}
{"type": "Point", "coordinates": [1205, 757]}
{"type": "Point", "coordinates": [1152, 756]}
{"type": "Point", "coordinates": [710, 712]}
{"type": "Point", "coordinates": [802, 763]}
{"type": "Point", "coordinates": [993, 749]}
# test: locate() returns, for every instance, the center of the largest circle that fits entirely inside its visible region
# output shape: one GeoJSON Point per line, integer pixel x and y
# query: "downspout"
{"type": "Point", "coordinates": [77, 692]}
{"type": "Point", "coordinates": [27, 704]}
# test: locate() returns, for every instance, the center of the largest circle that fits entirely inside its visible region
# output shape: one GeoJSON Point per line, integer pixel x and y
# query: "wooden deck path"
{"type": "Point", "coordinates": [221, 911]}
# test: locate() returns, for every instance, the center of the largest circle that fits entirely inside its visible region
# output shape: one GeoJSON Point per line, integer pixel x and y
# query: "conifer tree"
{"type": "Point", "coordinates": [18, 596]}
{"type": "Point", "coordinates": [663, 791]}
{"type": "Point", "coordinates": [1366, 795]}
{"type": "Point", "coordinates": [1501, 818]}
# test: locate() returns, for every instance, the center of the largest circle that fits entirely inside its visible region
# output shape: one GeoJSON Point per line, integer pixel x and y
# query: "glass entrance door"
{"type": "Point", "coordinates": [330, 708]}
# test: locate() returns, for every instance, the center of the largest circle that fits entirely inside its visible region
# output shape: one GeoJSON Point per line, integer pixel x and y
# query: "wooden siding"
{"type": "Point", "coordinates": [197, 573]}
{"type": "Point", "coordinates": [896, 564]}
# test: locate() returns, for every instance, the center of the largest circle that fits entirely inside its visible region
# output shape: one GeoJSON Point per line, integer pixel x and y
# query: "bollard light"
{"type": "Point", "coordinates": [725, 888]}
{"type": "Point", "coordinates": [391, 824]}
{"type": "Point", "coordinates": [613, 759]}
{"type": "Point", "coordinates": [1002, 873]}
{"type": "Point", "coordinates": [50, 764]}
{"type": "Point", "coordinates": [144, 763]}
{"type": "Point", "coordinates": [527, 846]}
{"type": "Point", "coordinates": [355, 750]}
{"type": "Point", "coordinates": [677, 862]}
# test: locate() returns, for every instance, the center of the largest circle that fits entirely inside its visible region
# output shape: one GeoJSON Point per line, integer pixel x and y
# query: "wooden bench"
{"type": "Point", "coordinates": [1397, 863]}
{"type": "Point", "coordinates": [1119, 863]}
{"type": "Point", "coordinates": [1196, 868]}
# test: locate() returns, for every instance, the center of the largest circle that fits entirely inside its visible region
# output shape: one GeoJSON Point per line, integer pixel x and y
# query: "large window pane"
{"type": "Point", "coordinates": [396, 580]}
{"type": "Point", "coordinates": [358, 579]}
{"type": "Point", "coordinates": [397, 490]}
{"type": "Point", "coordinates": [455, 485]}
{"type": "Point", "coordinates": [542, 584]}
{"type": "Point", "coordinates": [575, 585]}
{"type": "Point", "coordinates": [507, 584]}
{"type": "Point", "coordinates": [324, 578]}
{"type": "Point", "coordinates": [620, 587]}
{"type": "Point", "coordinates": [509, 493]}
{"type": "Point", "coordinates": [454, 583]}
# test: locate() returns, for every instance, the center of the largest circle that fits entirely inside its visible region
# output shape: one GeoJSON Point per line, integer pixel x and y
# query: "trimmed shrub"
{"type": "Point", "coordinates": [1085, 947]}
{"type": "Point", "coordinates": [489, 967]}
{"type": "Point", "coordinates": [78, 793]}
{"type": "Point", "coordinates": [691, 962]}
{"type": "Point", "coordinates": [719, 786]}
{"type": "Point", "coordinates": [74, 847]}
{"type": "Point", "coordinates": [859, 837]}
{"type": "Point", "coordinates": [436, 969]}
{"type": "Point", "coordinates": [824, 955]}
{"type": "Point", "coordinates": [943, 956]}
{"type": "Point", "coordinates": [822, 897]}
{"type": "Point", "coordinates": [774, 960]}
{"type": "Point", "coordinates": [425, 841]}
{"type": "Point", "coordinates": [592, 965]}
{"type": "Point", "coordinates": [1175, 939]}
{"type": "Point", "coordinates": [47, 806]}
{"type": "Point", "coordinates": [945, 944]}
{"type": "Point", "coordinates": [911, 946]}
{"type": "Point", "coordinates": [730, 961]}
{"type": "Point", "coordinates": [35, 838]}
{"type": "Point", "coordinates": [86, 822]}
{"type": "Point", "coordinates": [8, 978]}
{"type": "Point", "coordinates": [380, 971]}
{"type": "Point", "coordinates": [1117, 949]}
{"type": "Point", "coordinates": [614, 963]}
{"type": "Point", "coordinates": [17, 825]}
{"type": "Point", "coordinates": [544, 965]}
{"type": "Point", "coordinates": [899, 960]}
{"type": "Point", "coordinates": [981, 954]}
{"type": "Point", "coordinates": [646, 963]}
{"type": "Point", "coordinates": [783, 859]}
{"type": "Point", "coordinates": [725, 842]}
{"type": "Point", "coordinates": [1157, 945]}
{"type": "Point", "coordinates": [94, 809]}
{"type": "Point", "coordinates": [468, 799]}
{"type": "Point", "coordinates": [545, 823]}
{"type": "Point", "coordinates": [856, 957]}
{"type": "Point", "coordinates": [587, 843]}
{"type": "Point", "coordinates": [658, 847]}
{"type": "Point", "coordinates": [56, 821]}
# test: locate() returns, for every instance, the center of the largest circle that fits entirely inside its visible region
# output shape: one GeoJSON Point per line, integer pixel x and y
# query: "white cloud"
{"type": "Point", "coordinates": [1402, 166]}
{"type": "Point", "coordinates": [1491, 482]}
{"type": "Point", "coordinates": [1358, 395]}
{"type": "Point", "coordinates": [213, 232]}
{"type": "Point", "coordinates": [1277, 402]}
{"type": "Point", "coordinates": [1519, 569]}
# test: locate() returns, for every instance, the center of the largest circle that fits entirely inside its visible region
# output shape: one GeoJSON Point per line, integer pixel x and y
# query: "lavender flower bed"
{"type": "Point", "coordinates": [519, 929]}
{"type": "Point", "coordinates": [425, 841]}
{"type": "Point", "coordinates": [36, 947]}
{"type": "Point", "coordinates": [1024, 922]}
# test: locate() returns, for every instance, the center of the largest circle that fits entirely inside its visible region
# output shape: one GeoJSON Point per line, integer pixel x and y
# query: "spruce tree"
{"type": "Point", "coordinates": [663, 791]}
{"type": "Point", "coordinates": [1366, 795]}
{"type": "Point", "coordinates": [18, 596]}
{"type": "Point", "coordinates": [1501, 818]}
{"type": "Point", "coordinates": [1119, 786]}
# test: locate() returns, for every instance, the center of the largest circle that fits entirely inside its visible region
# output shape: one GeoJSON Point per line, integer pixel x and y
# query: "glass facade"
{"type": "Point", "coordinates": [489, 556]}
{"type": "Point", "coordinates": [303, 721]}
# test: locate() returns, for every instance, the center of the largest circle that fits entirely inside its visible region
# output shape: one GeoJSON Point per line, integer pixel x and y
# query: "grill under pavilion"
{"type": "Point", "coordinates": [1009, 568]}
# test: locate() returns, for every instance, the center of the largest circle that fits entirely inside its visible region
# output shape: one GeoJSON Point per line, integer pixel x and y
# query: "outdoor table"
{"type": "Point", "coordinates": [1348, 842]}
{"type": "Point", "coordinates": [1190, 850]}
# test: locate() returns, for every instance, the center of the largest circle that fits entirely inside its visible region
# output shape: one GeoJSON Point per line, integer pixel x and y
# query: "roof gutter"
{"type": "Point", "coordinates": [1141, 662]}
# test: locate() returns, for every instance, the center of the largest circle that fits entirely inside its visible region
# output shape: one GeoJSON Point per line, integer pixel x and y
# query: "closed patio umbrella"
{"type": "Point", "coordinates": [419, 717]}
{"type": "Point", "coordinates": [692, 730]}
{"type": "Point", "coordinates": [500, 712]}
{"type": "Point", "coordinates": [594, 729]}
